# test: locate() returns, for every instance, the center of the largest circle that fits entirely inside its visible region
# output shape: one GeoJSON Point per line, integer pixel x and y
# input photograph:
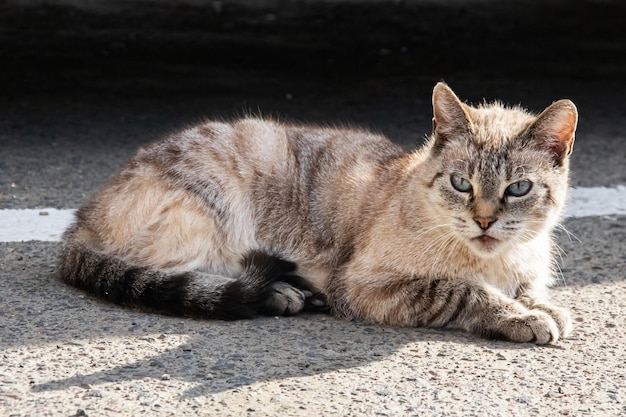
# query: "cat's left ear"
{"type": "Point", "coordinates": [555, 128]}
{"type": "Point", "coordinates": [450, 120]}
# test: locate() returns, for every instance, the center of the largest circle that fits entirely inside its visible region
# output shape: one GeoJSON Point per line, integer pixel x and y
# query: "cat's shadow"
{"type": "Point", "coordinates": [219, 356]}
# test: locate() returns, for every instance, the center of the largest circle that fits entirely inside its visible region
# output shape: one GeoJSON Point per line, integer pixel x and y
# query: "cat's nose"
{"type": "Point", "coordinates": [485, 222]}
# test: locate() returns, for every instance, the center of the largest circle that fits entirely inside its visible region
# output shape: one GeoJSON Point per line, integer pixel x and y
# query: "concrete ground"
{"type": "Point", "coordinates": [82, 88]}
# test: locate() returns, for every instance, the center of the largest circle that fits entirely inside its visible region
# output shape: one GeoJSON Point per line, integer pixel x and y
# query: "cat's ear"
{"type": "Point", "coordinates": [450, 117]}
{"type": "Point", "coordinates": [555, 128]}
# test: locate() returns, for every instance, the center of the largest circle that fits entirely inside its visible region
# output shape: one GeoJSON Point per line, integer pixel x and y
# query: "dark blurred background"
{"type": "Point", "coordinates": [83, 83]}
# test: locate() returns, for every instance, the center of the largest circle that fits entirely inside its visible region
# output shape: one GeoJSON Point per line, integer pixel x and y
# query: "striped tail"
{"type": "Point", "coordinates": [185, 294]}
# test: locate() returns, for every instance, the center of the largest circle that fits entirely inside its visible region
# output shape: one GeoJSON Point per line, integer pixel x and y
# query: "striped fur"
{"type": "Point", "coordinates": [208, 222]}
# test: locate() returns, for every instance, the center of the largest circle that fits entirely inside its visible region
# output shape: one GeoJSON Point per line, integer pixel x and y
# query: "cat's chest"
{"type": "Point", "coordinates": [503, 278]}
{"type": "Point", "coordinates": [507, 273]}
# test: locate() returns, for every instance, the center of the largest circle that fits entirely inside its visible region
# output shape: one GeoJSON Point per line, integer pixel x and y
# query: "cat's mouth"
{"type": "Point", "coordinates": [486, 243]}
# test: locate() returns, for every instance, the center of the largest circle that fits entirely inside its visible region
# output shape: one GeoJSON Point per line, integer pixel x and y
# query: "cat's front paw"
{"type": "Point", "coordinates": [535, 327]}
{"type": "Point", "coordinates": [561, 316]}
{"type": "Point", "coordinates": [284, 300]}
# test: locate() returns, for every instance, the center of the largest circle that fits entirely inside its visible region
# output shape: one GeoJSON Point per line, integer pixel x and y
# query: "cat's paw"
{"type": "Point", "coordinates": [561, 317]}
{"type": "Point", "coordinates": [535, 327]}
{"type": "Point", "coordinates": [284, 300]}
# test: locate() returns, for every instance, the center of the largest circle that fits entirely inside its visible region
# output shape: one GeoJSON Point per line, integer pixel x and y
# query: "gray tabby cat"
{"type": "Point", "coordinates": [229, 220]}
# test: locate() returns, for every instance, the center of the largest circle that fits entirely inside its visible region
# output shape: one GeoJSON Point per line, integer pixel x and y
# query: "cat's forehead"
{"type": "Point", "coordinates": [492, 162]}
{"type": "Point", "coordinates": [494, 147]}
{"type": "Point", "coordinates": [494, 138]}
{"type": "Point", "coordinates": [506, 161]}
{"type": "Point", "coordinates": [494, 124]}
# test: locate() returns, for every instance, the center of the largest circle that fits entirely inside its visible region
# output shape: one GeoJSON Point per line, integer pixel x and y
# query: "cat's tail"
{"type": "Point", "coordinates": [179, 294]}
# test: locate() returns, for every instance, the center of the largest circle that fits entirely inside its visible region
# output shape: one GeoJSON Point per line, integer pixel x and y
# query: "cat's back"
{"type": "Point", "coordinates": [265, 140]}
{"type": "Point", "coordinates": [248, 150]}
{"type": "Point", "coordinates": [264, 143]}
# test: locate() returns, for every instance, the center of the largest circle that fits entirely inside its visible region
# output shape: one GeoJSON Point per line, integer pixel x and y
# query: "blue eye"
{"type": "Point", "coordinates": [460, 184]}
{"type": "Point", "coordinates": [519, 188]}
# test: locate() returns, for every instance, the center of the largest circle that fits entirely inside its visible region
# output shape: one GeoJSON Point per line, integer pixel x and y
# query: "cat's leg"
{"type": "Point", "coordinates": [534, 296]}
{"type": "Point", "coordinates": [417, 301]}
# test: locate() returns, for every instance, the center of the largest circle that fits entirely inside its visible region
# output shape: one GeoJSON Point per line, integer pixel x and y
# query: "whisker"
{"type": "Point", "coordinates": [570, 235]}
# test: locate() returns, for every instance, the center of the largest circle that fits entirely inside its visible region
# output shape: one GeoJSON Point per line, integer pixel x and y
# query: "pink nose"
{"type": "Point", "coordinates": [485, 222]}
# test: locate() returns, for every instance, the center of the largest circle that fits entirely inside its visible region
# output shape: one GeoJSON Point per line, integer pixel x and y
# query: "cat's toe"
{"type": "Point", "coordinates": [544, 328]}
{"type": "Point", "coordinates": [535, 327]}
{"type": "Point", "coordinates": [284, 300]}
{"type": "Point", "coordinates": [561, 316]}
{"type": "Point", "coordinates": [316, 302]}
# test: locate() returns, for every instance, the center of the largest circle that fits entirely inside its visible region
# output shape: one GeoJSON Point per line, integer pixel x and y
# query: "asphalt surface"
{"type": "Point", "coordinates": [82, 89]}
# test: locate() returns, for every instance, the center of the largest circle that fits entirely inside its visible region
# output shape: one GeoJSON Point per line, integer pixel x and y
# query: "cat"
{"type": "Point", "coordinates": [231, 220]}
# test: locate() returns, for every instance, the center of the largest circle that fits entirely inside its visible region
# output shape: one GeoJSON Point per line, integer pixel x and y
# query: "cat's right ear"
{"type": "Point", "coordinates": [450, 119]}
{"type": "Point", "coordinates": [555, 128]}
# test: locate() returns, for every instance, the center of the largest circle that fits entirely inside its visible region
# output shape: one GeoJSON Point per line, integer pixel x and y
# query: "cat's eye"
{"type": "Point", "coordinates": [460, 184]}
{"type": "Point", "coordinates": [519, 188]}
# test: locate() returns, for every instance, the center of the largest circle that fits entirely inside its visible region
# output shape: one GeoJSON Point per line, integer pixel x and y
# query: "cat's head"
{"type": "Point", "coordinates": [500, 174]}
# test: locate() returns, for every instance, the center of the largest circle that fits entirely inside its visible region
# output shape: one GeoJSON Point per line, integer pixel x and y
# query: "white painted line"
{"type": "Point", "coordinates": [49, 224]}
{"type": "Point", "coordinates": [597, 201]}
{"type": "Point", "coordinates": [42, 224]}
